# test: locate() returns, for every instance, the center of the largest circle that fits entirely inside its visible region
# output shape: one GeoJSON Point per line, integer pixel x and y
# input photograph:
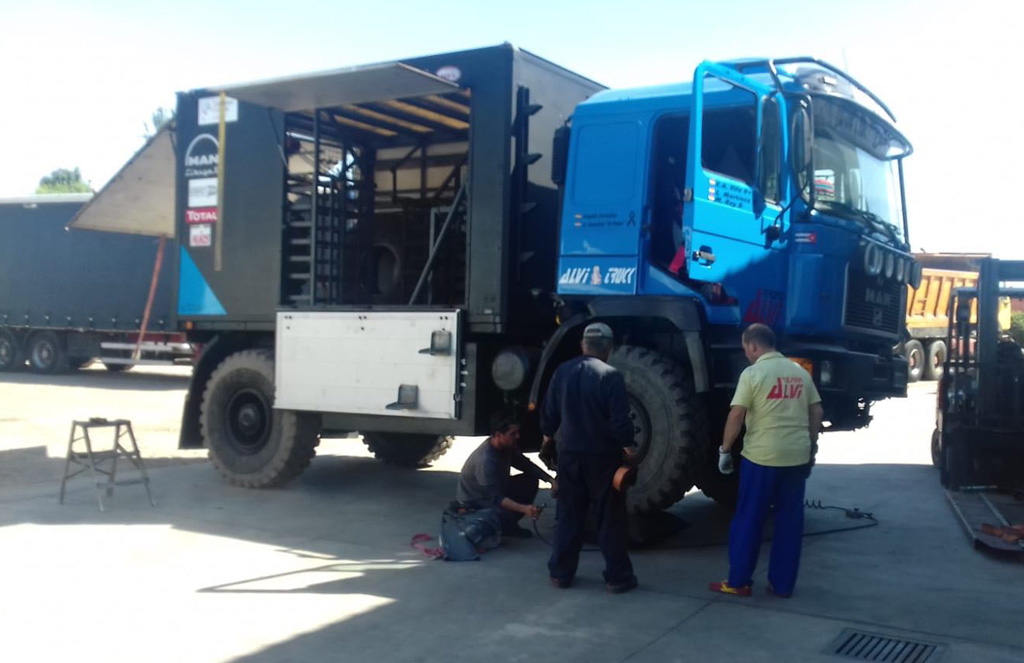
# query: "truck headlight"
{"type": "Point", "coordinates": [890, 265]}
{"type": "Point", "coordinates": [510, 368]}
{"type": "Point", "coordinates": [825, 373]}
{"type": "Point", "coordinates": [901, 270]}
{"type": "Point", "coordinates": [873, 259]}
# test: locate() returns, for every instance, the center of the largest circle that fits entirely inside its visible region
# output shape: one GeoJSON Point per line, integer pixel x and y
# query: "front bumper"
{"type": "Point", "coordinates": [858, 375]}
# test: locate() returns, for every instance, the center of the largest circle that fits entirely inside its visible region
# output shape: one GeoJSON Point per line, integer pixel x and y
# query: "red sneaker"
{"type": "Point", "coordinates": [724, 588]}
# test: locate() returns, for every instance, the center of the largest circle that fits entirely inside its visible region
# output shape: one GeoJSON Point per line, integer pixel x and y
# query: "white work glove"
{"type": "Point", "coordinates": [725, 465]}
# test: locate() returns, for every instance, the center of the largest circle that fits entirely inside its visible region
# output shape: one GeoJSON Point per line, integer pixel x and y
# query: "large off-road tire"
{"type": "Point", "coordinates": [47, 353]}
{"type": "Point", "coordinates": [253, 445]}
{"type": "Point", "coordinates": [914, 352]}
{"type": "Point", "coordinates": [936, 448]}
{"type": "Point", "coordinates": [934, 360]}
{"type": "Point", "coordinates": [407, 449]}
{"type": "Point", "coordinates": [12, 357]}
{"type": "Point", "coordinates": [669, 428]}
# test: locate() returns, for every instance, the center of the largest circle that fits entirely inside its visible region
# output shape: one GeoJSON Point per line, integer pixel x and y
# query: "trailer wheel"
{"type": "Point", "coordinates": [407, 449]}
{"type": "Point", "coordinates": [937, 448]}
{"type": "Point", "coordinates": [914, 352]}
{"type": "Point", "coordinates": [46, 353]}
{"type": "Point", "coordinates": [670, 431]}
{"type": "Point", "coordinates": [934, 361]}
{"type": "Point", "coordinates": [11, 357]}
{"type": "Point", "coordinates": [253, 445]}
{"type": "Point", "coordinates": [118, 368]}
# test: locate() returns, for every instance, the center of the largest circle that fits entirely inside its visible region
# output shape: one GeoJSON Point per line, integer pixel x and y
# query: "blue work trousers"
{"type": "Point", "coordinates": [763, 489]}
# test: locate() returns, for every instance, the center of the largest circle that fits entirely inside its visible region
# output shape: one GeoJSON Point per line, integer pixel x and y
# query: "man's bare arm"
{"type": "Point", "coordinates": [733, 426]}
{"type": "Point", "coordinates": [816, 414]}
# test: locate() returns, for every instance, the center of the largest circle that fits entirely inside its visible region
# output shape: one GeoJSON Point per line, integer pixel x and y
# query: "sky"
{"type": "Point", "coordinates": [79, 80]}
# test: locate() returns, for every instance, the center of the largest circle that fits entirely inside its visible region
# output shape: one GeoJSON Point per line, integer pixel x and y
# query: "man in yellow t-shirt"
{"type": "Point", "coordinates": [779, 404]}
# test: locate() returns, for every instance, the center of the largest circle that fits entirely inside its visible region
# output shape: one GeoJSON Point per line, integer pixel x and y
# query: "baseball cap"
{"type": "Point", "coordinates": [598, 330]}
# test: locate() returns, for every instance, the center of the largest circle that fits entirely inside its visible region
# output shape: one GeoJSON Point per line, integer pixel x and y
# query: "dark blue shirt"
{"type": "Point", "coordinates": [484, 477]}
{"type": "Point", "coordinates": [586, 404]}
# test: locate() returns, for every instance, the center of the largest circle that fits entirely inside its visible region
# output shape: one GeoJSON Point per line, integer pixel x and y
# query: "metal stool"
{"type": "Point", "coordinates": [89, 460]}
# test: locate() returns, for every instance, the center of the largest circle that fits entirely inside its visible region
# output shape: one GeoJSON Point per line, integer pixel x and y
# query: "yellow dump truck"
{"type": "Point", "coordinates": [927, 308]}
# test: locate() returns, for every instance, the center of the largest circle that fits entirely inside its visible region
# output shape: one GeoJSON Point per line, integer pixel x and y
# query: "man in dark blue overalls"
{"type": "Point", "coordinates": [586, 405]}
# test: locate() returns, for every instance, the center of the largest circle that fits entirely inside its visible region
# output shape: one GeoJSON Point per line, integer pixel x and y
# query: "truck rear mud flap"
{"type": "Point", "coordinates": [991, 520]}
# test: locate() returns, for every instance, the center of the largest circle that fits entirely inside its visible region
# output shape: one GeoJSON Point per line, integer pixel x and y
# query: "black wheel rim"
{"type": "Point", "coordinates": [43, 354]}
{"type": "Point", "coordinates": [248, 421]}
{"type": "Point", "coordinates": [641, 427]}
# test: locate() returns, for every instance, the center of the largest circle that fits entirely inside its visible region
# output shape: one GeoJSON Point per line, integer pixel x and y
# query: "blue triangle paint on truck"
{"type": "Point", "coordinates": [195, 297]}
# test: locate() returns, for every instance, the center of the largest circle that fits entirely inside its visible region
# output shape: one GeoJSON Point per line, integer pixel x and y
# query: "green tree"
{"type": "Point", "coordinates": [63, 180]}
{"type": "Point", "coordinates": [158, 119]}
{"type": "Point", "coordinates": [1017, 327]}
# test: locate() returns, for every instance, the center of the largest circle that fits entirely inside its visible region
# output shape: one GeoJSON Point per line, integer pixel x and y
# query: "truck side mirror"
{"type": "Point", "coordinates": [801, 142]}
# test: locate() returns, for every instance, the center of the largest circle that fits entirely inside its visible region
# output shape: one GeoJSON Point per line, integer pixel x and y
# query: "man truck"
{"type": "Point", "coordinates": [397, 250]}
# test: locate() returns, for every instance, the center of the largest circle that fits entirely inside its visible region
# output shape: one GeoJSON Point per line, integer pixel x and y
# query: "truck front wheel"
{"type": "Point", "coordinates": [253, 445]}
{"type": "Point", "coordinates": [11, 358]}
{"type": "Point", "coordinates": [407, 449]}
{"type": "Point", "coordinates": [669, 430]}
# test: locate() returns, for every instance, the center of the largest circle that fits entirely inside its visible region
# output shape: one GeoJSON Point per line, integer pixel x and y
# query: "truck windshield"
{"type": "Point", "coordinates": [854, 169]}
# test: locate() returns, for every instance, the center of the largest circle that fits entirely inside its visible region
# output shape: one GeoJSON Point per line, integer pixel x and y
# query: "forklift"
{"type": "Point", "coordinates": [978, 443]}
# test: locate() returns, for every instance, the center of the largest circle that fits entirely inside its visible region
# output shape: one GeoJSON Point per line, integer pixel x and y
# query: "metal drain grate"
{"type": "Point", "coordinates": [875, 647]}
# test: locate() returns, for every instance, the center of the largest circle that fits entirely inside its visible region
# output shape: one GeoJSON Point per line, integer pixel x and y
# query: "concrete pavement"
{"type": "Point", "coordinates": [321, 570]}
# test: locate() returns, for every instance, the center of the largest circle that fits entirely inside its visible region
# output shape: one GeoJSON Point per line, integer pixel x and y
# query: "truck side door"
{"type": "Point", "coordinates": [734, 192]}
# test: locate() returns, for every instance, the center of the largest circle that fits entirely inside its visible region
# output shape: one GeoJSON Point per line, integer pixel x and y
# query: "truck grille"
{"type": "Point", "coordinates": [873, 302]}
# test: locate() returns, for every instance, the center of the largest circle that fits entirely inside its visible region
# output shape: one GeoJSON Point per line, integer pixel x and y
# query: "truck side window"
{"type": "Point", "coordinates": [771, 151]}
{"type": "Point", "coordinates": [730, 140]}
{"type": "Point", "coordinates": [606, 163]}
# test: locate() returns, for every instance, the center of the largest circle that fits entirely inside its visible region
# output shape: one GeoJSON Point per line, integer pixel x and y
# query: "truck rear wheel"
{"type": "Point", "coordinates": [46, 353]}
{"type": "Point", "coordinates": [11, 357]}
{"type": "Point", "coordinates": [407, 449]}
{"type": "Point", "coordinates": [934, 361]}
{"type": "Point", "coordinates": [914, 352]}
{"type": "Point", "coordinates": [670, 432]}
{"type": "Point", "coordinates": [253, 445]}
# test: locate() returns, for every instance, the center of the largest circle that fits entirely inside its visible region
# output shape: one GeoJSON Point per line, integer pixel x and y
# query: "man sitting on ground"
{"type": "Point", "coordinates": [485, 481]}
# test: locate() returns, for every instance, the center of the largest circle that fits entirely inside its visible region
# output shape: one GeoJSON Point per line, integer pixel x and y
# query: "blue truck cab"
{"type": "Point", "coordinates": [765, 191]}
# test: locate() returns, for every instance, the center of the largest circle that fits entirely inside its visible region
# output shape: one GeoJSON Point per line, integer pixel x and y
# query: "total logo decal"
{"type": "Point", "coordinates": [594, 276]}
{"type": "Point", "coordinates": [201, 215]}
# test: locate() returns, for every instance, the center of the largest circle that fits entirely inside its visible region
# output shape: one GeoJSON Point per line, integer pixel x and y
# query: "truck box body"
{"type": "Point", "coordinates": [59, 279]}
{"type": "Point", "coordinates": [238, 270]}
